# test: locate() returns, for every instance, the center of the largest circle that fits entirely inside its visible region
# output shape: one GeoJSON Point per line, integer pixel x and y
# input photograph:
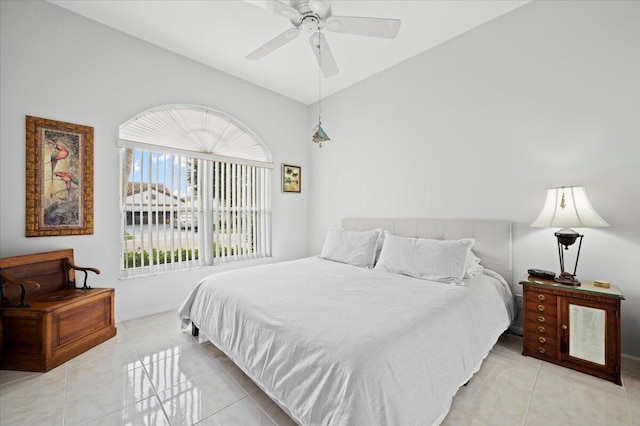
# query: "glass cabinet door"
{"type": "Point", "coordinates": [587, 333]}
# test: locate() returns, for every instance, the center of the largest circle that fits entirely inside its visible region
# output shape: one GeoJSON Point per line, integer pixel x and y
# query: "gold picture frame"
{"type": "Point", "coordinates": [59, 178]}
{"type": "Point", "coordinates": [291, 178]}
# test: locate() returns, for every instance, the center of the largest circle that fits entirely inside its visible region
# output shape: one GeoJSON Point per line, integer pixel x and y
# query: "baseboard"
{"type": "Point", "coordinates": [147, 312]}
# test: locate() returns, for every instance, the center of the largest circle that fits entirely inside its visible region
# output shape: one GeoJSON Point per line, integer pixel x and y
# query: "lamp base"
{"type": "Point", "coordinates": [567, 279]}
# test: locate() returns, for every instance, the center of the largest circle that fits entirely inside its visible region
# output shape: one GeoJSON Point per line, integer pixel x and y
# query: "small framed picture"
{"type": "Point", "coordinates": [291, 178]}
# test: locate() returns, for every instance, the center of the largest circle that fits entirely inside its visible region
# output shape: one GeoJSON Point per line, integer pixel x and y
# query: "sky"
{"type": "Point", "coordinates": [162, 167]}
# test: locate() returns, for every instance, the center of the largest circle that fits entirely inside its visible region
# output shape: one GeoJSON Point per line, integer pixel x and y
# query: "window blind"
{"type": "Point", "coordinates": [195, 190]}
{"type": "Point", "coordinates": [180, 212]}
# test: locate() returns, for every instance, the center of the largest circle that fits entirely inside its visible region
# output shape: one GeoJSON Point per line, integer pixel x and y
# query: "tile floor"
{"type": "Point", "coordinates": [153, 373]}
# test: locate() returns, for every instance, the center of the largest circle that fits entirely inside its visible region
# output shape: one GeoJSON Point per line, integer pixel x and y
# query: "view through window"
{"type": "Point", "coordinates": [187, 202]}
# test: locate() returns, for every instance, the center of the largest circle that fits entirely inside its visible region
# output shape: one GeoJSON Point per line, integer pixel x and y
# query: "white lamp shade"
{"type": "Point", "coordinates": [568, 207]}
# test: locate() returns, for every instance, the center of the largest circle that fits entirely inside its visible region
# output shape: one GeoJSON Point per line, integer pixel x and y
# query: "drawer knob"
{"type": "Point", "coordinates": [541, 329]}
{"type": "Point", "coordinates": [541, 350]}
{"type": "Point", "coordinates": [541, 297]}
{"type": "Point", "coordinates": [541, 308]}
{"type": "Point", "coordinates": [541, 318]}
{"type": "Point", "coordinates": [564, 326]}
{"type": "Point", "coordinates": [542, 340]}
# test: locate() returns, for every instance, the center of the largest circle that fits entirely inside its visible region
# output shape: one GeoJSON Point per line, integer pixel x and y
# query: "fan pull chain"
{"type": "Point", "coordinates": [319, 83]}
{"type": "Point", "coordinates": [319, 135]}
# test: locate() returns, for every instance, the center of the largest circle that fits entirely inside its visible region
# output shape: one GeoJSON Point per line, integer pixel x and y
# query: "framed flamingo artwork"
{"type": "Point", "coordinates": [59, 178]}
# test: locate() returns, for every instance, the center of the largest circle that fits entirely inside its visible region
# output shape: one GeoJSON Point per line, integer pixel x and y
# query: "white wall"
{"type": "Point", "coordinates": [547, 95]}
{"type": "Point", "coordinates": [58, 65]}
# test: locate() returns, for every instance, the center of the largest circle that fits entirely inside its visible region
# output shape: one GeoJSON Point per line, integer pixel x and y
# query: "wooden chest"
{"type": "Point", "coordinates": [60, 322]}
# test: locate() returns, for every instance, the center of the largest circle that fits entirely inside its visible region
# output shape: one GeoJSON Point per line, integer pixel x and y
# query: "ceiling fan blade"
{"type": "Point", "coordinates": [323, 54]}
{"type": "Point", "coordinates": [274, 44]}
{"type": "Point", "coordinates": [277, 7]}
{"type": "Point", "coordinates": [320, 6]}
{"type": "Point", "coordinates": [372, 27]}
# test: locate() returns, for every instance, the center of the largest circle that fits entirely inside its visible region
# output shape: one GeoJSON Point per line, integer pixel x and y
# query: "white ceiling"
{"type": "Point", "coordinates": [220, 33]}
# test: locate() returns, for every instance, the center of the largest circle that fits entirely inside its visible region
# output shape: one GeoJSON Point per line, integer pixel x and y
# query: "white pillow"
{"type": "Point", "coordinates": [434, 260]}
{"type": "Point", "coordinates": [473, 266]}
{"type": "Point", "coordinates": [356, 248]}
{"type": "Point", "coordinates": [379, 245]}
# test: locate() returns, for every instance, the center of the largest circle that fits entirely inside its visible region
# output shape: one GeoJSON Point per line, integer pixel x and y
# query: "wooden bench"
{"type": "Point", "coordinates": [45, 319]}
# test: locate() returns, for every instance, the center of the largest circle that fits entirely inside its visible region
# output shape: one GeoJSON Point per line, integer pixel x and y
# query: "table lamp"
{"type": "Point", "coordinates": [568, 207]}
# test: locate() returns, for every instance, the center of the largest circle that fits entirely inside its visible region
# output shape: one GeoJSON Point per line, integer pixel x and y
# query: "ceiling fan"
{"type": "Point", "coordinates": [312, 16]}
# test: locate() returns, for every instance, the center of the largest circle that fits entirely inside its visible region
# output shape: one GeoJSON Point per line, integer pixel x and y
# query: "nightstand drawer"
{"type": "Point", "coordinates": [546, 336]}
{"type": "Point", "coordinates": [540, 297]}
{"type": "Point", "coordinates": [541, 318]}
{"type": "Point", "coordinates": [549, 326]}
{"type": "Point", "coordinates": [541, 351]}
{"type": "Point", "coordinates": [534, 328]}
{"type": "Point", "coordinates": [547, 308]}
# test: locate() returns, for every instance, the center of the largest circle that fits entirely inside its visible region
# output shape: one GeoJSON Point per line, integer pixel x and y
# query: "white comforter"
{"type": "Point", "coordinates": [340, 345]}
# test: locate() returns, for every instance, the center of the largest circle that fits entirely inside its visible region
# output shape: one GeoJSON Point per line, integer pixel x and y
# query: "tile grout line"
{"type": "Point", "coordinates": [247, 394]}
{"type": "Point", "coordinates": [155, 393]}
{"type": "Point", "coordinates": [64, 396]}
{"type": "Point", "coordinates": [260, 406]}
{"type": "Point", "coordinates": [27, 375]}
{"type": "Point", "coordinates": [627, 400]}
{"type": "Point", "coordinates": [533, 389]}
{"type": "Point", "coordinates": [221, 409]}
{"type": "Point", "coordinates": [224, 370]}
{"type": "Point", "coordinates": [144, 368]}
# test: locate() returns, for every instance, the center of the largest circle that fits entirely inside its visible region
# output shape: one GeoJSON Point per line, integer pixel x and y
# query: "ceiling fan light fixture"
{"type": "Point", "coordinates": [310, 24]}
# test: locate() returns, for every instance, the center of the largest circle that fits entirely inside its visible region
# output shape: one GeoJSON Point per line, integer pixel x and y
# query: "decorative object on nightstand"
{"type": "Point", "coordinates": [576, 327]}
{"type": "Point", "coordinates": [568, 207]}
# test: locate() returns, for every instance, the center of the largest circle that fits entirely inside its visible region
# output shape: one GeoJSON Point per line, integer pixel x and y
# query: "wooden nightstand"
{"type": "Point", "coordinates": [576, 327]}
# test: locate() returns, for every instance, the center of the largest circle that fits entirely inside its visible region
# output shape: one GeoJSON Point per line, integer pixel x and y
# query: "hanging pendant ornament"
{"type": "Point", "coordinates": [319, 135]}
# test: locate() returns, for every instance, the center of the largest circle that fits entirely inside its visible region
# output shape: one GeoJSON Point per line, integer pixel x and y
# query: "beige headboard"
{"type": "Point", "coordinates": [493, 237]}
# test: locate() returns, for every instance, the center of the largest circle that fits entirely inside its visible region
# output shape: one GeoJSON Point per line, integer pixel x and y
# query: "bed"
{"type": "Point", "coordinates": [338, 344]}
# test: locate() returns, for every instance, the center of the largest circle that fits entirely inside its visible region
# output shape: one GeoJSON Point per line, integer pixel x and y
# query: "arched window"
{"type": "Point", "coordinates": [195, 190]}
